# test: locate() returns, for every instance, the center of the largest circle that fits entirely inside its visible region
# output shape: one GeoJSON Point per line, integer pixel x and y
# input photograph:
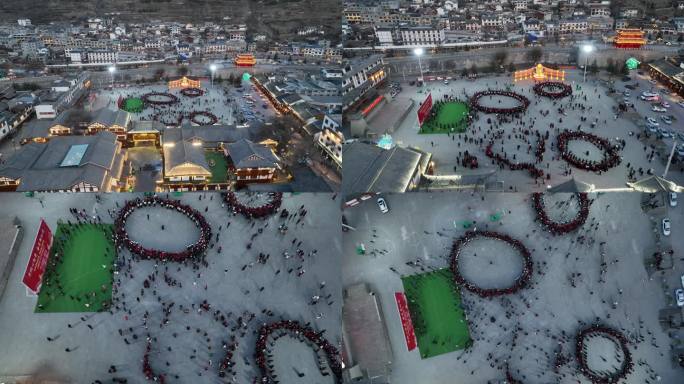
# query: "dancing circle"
{"type": "Point", "coordinates": [520, 282]}
{"type": "Point", "coordinates": [269, 333]}
{"type": "Point", "coordinates": [504, 161]}
{"type": "Point", "coordinates": [169, 121]}
{"type": "Point", "coordinates": [553, 89]}
{"type": "Point", "coordinates": [121, 237]}
{"type": "Point", "coordinates": [620, 342]}
{"type": "Point", "coordinates": [270, 207]}
{"type": "Point", "coordinates": [523, 102]}
{"type": "Point", "coordinates": [555, 227]}
{"type": "Point", "coordinates": [194, 117]}
{"type": "Point", "coordinates": [192, 92]}
{"type": "Point", "coordinates": [611, 156]}
{"type": "Point", "coordinates": [159, 98]}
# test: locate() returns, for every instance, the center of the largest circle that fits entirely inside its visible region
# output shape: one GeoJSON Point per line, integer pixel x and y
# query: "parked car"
{"type": "Point", "coordinates": [652, 128]}
{"type": "Point", "coordinates": [382, 204]}
{"type": "Point", "coordinates": [658, 109]}
{"type": "Point", "coordinates": [666, 227]}
{"type": "Point", "coordinates": [673, 199]}
{"type": "Point", "coordinates": [665, 133]}
{"type": "Point", "coordinates": [666, 119]}
{"type": "Point", "coordinates": [665, 104]}
{"type": "Point", "coordinates": [679, 296]}
{"type": "Point", "coordinates": [652, 121]}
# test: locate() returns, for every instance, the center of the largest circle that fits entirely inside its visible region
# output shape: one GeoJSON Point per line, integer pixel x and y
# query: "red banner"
{"type": "Point", "coordinates": [406, 323]}
{"type": "Point", "coordinates": [424, 110]}
{"type": "Point", "coordinates": [35, 268]}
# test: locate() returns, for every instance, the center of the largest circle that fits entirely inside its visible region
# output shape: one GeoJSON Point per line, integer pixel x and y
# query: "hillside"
{"type": "Point", "coordinates": [276, 18]}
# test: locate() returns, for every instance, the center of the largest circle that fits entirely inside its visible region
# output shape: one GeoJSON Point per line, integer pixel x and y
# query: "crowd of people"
{"type": "Point", "coordinates": [625, 358]}
{"type": "Point", "coordinates": [503, 160]}
{"type": "Point", "coordinates": [149, 373]}
{"type": "Point", "coordinates": [555, 227]}
{"type": "Point", "coordinates": [253, 212]}
{"type": "Point", "coordinates": [553, 89]}
{"type": "Point", "coordinates": [192, 92]}
{"type": "Point", "coordinates": [121, 237]}
{"type": "Point", "coordinates": [153, 98]}
{"type": "Point", "coordinates": [611, 155]}
{"type": "Point", "coordinates": [195, 115]}
{"type": "Point", "coordinates": [520, 282]}
{"type": "Point", "coordinates": [523, 102]}
{"type": "Point", "coordinates": [268, 333]}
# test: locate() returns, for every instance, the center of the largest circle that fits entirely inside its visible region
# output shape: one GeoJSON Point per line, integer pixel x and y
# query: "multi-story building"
{"type": "Point", "coordinates": [360, 76]}
{"type": "Point", "coordinates": [421, 36]}
{"type": "Point", "coordinates": [102, 56]}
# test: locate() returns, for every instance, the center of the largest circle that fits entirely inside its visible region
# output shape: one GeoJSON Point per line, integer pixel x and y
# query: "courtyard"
{"type": "Point", "coordinates": [592, 273]}
{"type": "Point", "coordinates": [195, 320]}
{"type": "Point", "coordinates": [591, 109]}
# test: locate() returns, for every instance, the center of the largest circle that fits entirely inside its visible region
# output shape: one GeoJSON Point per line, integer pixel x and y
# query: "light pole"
{"type": "Point", "coordinates": [419, 52]}
{"type": "Point", "coordinates": [212, 68]}
{"type": "Point", "coordinates": [111, 70]}
{"type": "Point", "coordinates": [587, 49]}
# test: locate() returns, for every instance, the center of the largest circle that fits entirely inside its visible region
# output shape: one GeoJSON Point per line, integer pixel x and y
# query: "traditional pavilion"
{"type": "Point", "coordinates": [629, 39]}
{"type": "Point", "coordinates": [245, 60]}
{"type": "Point", "coordinates": [539, 73]}
{"type": "Point", "coordinates": [184, 82]}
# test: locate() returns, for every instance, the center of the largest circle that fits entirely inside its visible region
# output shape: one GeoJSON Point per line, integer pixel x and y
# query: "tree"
{"type": "Point", "coordinates": [499, 58]}
{"type": "Point", "coordinates": [182, 71]}
{"type": "Point", "coordinates": [511, 67]}
{"type": "Point", "coordinates": [624, 71]}
{"type": "Point", "coordinates": [593, 68]}
{"type": "Point", "coordinates": [610, 67]}
{"type": "Point", "coordinates": [535, 54]}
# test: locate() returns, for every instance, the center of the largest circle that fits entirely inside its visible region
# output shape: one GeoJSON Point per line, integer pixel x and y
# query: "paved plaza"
{"type": "Point", "coordinates": [592, 102]}
{"type": "Point", "coordinates": [225, 101]}
{"type": "Point", "coordinates": [255, 272]}
{"type": "Point", "coordinates": [567, 290]}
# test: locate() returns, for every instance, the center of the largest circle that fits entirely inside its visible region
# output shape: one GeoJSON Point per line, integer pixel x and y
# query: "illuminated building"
{"type": "Point", "coordinates": [629, 39]}
{"type": "Point", "coordinates": [245, 60]}
{"type": "Point", "coordinates": [539, 73]}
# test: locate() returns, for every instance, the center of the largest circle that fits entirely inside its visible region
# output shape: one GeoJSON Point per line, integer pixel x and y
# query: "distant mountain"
{"type": "Point", "coordinates": [276, 18]}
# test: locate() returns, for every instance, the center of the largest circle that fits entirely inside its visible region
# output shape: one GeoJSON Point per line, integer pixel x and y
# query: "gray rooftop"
{"type": "Point", "coordinates": [246, 154]}
{"type": "Point", "coordinates": [38, 164]}
{"type": "Point", "coordinates": [369, 168]}
{"type": "Point", "coordinates": [364, 326]}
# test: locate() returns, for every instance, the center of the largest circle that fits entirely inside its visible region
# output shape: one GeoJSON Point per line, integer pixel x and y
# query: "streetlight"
{"type": "Point", "coordinates": [419, 52]}
{"type": "Point", "coordinates": [111, 70]}
{"type": "Point", "coordinates": [213, 69]}
{"type": "Point", "coordinates": [587, 49]}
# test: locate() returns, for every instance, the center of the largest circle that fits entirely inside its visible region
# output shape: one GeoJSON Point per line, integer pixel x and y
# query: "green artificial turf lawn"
{"type": "Point", "coordinates": [133, 105]}
{"type": "Point", "coordinates": [445, 323]}
{"type": "Point", "coordinates": [448, 113]}
{"type": "Point", "coordinates": [81, 272]}
{"type": "Point", "coordinates": [219, 172]}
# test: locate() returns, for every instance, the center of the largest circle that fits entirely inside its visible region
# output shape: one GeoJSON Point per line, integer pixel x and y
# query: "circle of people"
{"type": "Point", "coordinates": [552, 89]}
{"type": "Point", "coordinates": [122, 239]}
{"type": "Point", "coordinates": [611, 156]}
{"type": "Point", "coordinates": [520, 282]}
{"type": "Point", "coordinates": [555, 227]}
{"type": "Point", "coordinates": [524, 102]}
{"type": "Point", "coordinates": [603, 377]}
{"type": "Point", "coordinates": [250, 212]}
